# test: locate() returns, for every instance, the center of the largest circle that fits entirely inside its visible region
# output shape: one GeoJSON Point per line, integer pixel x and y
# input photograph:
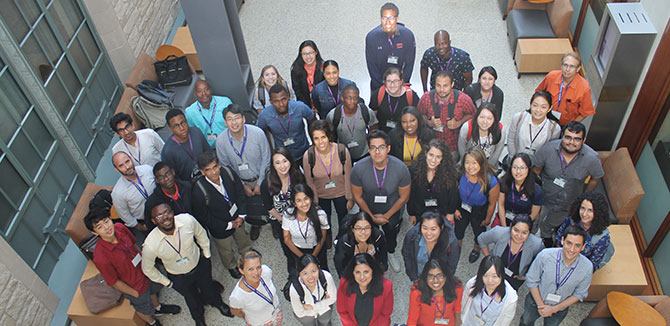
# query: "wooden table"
{"type": "Point", "coordinates": [540, 54]}
{"type": "Point", "coordinates": [629, 310]}
{"type": "Point", "coordinates": [182, 40]}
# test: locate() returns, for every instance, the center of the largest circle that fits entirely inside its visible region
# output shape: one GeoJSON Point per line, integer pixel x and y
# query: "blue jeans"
{"type": "Point", "coordinates": [530, 314]}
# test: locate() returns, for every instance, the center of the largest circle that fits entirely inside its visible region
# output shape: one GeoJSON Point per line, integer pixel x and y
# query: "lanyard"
{"type": "Point", "coordinates": [530, 132]}
{"type": "Point", "coordinates": [190, 144]}
{"type": "Point", "coordinates": [374, 171]}
{"type": "Point", "coordinates": [127, 250]}
{"type": "Point", "coordinates": [558, 271]}
{"type": "Point", "coordinates": [175, 249]}
{"type": "Point", "coordinates": [244, 143]}
{"type": "Point", "coordinates": [451, 56]}
{"type": "Point", "coordinates": [560, 92]}
{"type": "Point", "coordinates": [288, 125]}
{"type": "Point", "coordinates": [346, 120]}
{"type": "Point", "coordinates": [318, 291]}
{"type": "Point", "coordinates": [175, 198]}
{"type": "Point", "coordinates": [225, 193]}
{"type": "Point", "coordinates": [269, 300]}
{"type": "Point", "coordinates": [140, 187]}
{"type": "Point", "coordinates": [392, 110]}
{"type": "Point", "coordinates": [488, 99]}
{"type": "Point", "coordinates": [416, 141]}
{"type": "Point", "coordinates": [213, 107]}
{"type": "Point", "coordinates": [390, 39]}
{"type": "Point", "coordinates": [304, 235]}
{"type": "Point", "coordinates": [481, 307]}
{"type": "Point", "coordinates": [329, 171]}
{"type": "Point", "coordinates": [139, 151]}
{"type": "Point", "coordinates": [444, 307]}
{"type": "Point", "coordinates": [511, 260]}
{"type": "Point", "coordinates": [564, 166]}
{"type": "Point", "coordinates": [335, 100]}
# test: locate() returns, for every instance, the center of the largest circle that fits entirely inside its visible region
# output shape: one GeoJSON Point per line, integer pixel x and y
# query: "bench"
{"type": "Point", "coordinates": [624, 272]}
{"type": "Point", "coordinates": [620, 184]}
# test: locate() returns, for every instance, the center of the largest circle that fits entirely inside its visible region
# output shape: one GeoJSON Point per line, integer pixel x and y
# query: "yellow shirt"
{"type": "Point", "coordinates": [409, 151]}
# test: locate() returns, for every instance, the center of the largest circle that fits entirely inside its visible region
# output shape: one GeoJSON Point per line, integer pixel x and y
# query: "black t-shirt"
{"type": "Point", "coordinates": [390, 108]}
{"type": "Point", "coordinates": [364, 307]}
{"type": "Point", "coordinates": [514, 267]}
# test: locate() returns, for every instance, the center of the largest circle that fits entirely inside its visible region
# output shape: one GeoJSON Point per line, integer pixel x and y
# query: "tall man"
{"type": "Point", "coordinates": [205, 112]}
{"type": "Point", "coordinates": [181, 150]}
{"type": "Point", "coordinates": [220, 205]}
{"type": "Point", "coordinates": [283, 120]}
{"type": "Point", "coordinates": [245, 150]}
{"type": "Point", "coordinates": [118, 259]}
{"type": "Point", "coordinates": [564, 164]}
{"type": "Point", "coordinates": [443, 56]}
{"type": "Point", "coordinates": [380, 185]}
{"type": "Point", "coordinates": [189, 271]}
{"type": "Point", "coordinates": [170, 190]}
{"type": "Point", "coordinates": [570, 92]}
{"type": "Point", "coordinates": [131, 192]}
{"type": "Point", "coordinates": [389, 45]}
{"type": "Point", "coordinates": [446, 109]}
{"type": "Point", "coordinates": [557, 279]}
{"type": "Point", "coordinates": [144, 146]}
{"type": "Point", "coordinates": [352, 121]}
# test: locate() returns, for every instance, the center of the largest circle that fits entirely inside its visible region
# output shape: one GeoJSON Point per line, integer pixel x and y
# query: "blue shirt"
{"type": "Point", "coordinates": [207, 121]}
{"type": "Point", "coordinates": [291, 126]}
{"type": "Point", "coordinates": [518, 202]}
{"type": "Point", "coordinates": [422, 255]}
{"type": "Point", "coordinates": [470, 193]}
{"type": "Point", "coordinates": [378, 48]}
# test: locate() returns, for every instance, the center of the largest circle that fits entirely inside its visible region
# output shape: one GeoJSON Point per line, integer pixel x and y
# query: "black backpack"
{"type": "Point", "coordinates": [301, 292]}
{"type": "Point", "coordinates": [339, 110]}
{"type": "Point", "coordinates": [198, 180]}
{"type": "Point", "coordinates": [311, 157]}
{"type": "Point", "coordinates": [450, 108]}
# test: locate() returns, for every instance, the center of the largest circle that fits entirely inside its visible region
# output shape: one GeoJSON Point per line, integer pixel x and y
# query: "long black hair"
{"type": "Point", "coordinates": [312, 213]}
{"type": "Point", "coordinates": [507, 180]}
{"type": "Point", "coordinates": [451, 283]}
{"type": "Point", "coordinates": [274, 184]}
{"type": "Point", "coordinates": [298, 65]}
{"type": "Point", "coordinates": [376, 287]}
{"type": "Point", "coordinates": [440, 249]}
{"type": "Point", "coordinates": [446, 174]}
{"type": "Point", "coordinates": [484, 266]}
{"type": "Point", "coordinates": [494, 130]}
{"type": "Point", "coordinates": [601, 215]}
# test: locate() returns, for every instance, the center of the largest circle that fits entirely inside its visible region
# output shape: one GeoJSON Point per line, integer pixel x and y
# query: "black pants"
{"type": "Point", "coordinates": [473, 218]}
{"type": "Point", "coordinates": [196, 287]}
{"type": "Point", "coordinates": [391, 230]}
{"type": "Point", "coordinates": [340, 204]}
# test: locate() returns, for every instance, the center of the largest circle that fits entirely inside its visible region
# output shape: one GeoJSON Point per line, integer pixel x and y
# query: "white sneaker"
{"type": "Point", "coordinates": [394, 262]}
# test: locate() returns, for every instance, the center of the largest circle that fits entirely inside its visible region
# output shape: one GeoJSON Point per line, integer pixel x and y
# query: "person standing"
{"type": "Point", "coordinates": [360, 236]}
{"type": "Point", "coordinates": [383, 193]}
{"type": "Point", "coordinates": [519, 192]}
{"type": "Point", "coordinates": [488, 299]}
{"type": "Point", "coordinates": [269, 77]}
{"type": "Point", "coordinates": [182, 149]}
{"type": "Point", "coordinates": [435, 298]}
{"type": "Point", "coordinates": [254, 297]}
{"type": "Point", "coordinates": [144, 146]}
{"type": "Point", "coordinates": [484, 130]}
{"type": "Point", "coordinates": [352, 121]}
{"type": "Point", "coordinates": [432, 238]}
{"type": "Point", "coordinates": [181, 243]}
{"type": "Point", "coordinates": [328, 93]}
{"type": "Point", "coordinates": [389, 45]}
{"type": "Point", "coordinates": [175, 192]}
{"type": "Point", "coordinates": [443, 56]}
{"type": "Point", "coordinates": [306, 72]}
{"type": "Point", "coordinates": [541, 127]}
{"type": "Point", "coordinates": [388, 100]}
{"type": "Point", "coordinates": [316, 308]}
{"type": "Point", "coordinates": [131, 191]}
{"type": "Point", "coordinates": [485, 89]}
{"type": "Point", "coordinates": [205, 112]}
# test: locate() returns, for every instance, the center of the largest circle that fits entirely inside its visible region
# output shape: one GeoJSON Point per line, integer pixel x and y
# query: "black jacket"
{"type": "Point", "coordinates": [344, 250]}
{"type": "Point", "coordinates": [183, 204]}
{"type": "Point", "coordinates": [216, 215]}
{"type": "Point", "coordinates": [300, 86]}
{"type": "Point", "coordinates": [410, 249]}
{"type": "Point", "coordinates": [447, 197]}
{"type": "Point", "coordinates": [398, 141]}
{"type": "Point", "coordinates": [474, 91]}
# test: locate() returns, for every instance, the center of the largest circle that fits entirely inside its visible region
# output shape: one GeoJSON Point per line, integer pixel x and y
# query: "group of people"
{"type": "Point", "coordinates": [437, 156]}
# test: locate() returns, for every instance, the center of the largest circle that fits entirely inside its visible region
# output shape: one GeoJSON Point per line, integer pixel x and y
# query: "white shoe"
{"type": "Point", "coordinates": [394, 262]}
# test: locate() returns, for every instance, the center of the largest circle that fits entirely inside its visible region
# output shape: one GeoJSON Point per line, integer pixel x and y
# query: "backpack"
{"type": "Point", "coordinates": [339, 110]}
{"type": "Point", "coordinates": [155, 93]}
{"type": "Point", "coordinates": [199, 179]}
{"type": "Point", "coordinates": [301, 292]}
{"type": "Point", "coordinates": [152, 104]}
{"type": "Point", "coordinates": [408, 93]}
{"type": "Point", "coordinates": [311, 157]}
{"type": "Point", "coordinates": [450, 107]}
{"type": "Point", "coordinates": [101, 201]}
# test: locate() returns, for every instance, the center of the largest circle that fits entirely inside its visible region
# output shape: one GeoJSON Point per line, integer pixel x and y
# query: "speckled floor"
{"type": "Point", "coordinates": [274, 29]}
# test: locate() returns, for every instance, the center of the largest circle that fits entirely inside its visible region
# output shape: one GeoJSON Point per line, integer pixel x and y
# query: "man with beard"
{"type": "Point", "coordinates": [443, 56]}
{"type": "Point", "coordinates": [205, 113]}
{"type": "Point", "coordinates": [564, 164]}
{"type": "Point", "coordinates": [189, 271]}
{"type": "Point", "coordinates": [144, 146]}
{"type": "Point", "coordinates": [131, 192]}
{"type": "Point", "coordinates": [181, 150]}
{"type": "Point", "coordinates": [170, 190]}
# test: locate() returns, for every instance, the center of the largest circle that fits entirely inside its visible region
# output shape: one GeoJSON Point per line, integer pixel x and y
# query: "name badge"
{"type": "Point", "coordinates": [508, 272]}
{"type": "Point", "coordinates": [553, 299]}
{"type": "Point", "coordinates": [531, 150]}
{"type": "Point", "coordinates": [441, 321]}
{"type": "Point", "coordinates": [560, 182]}
{"type": "Point", "coordinates": [289, 141]}
{"type": "Point", "coordinates": [330, 185]}
{"type": "Point", "coordinates": [211, 136]}
{"type": "Point", "coordinates": [556, 114]}
{"type": "Point", "coordinates": [243, 166]}
{"type": "Point", "coordinates": [233, 210]}
{"type": "Point", "coordinates": [509, 215]}
{"type": "Point", "coordinates": [352, 144]}
{"type": "Point", "coordinates": [390, 124]}
{"type": "Point", "coordinates": [183, 261]}
{"type": "Point", "coordinates": [392, 59]}
{"type": "Point", "coordinates": [430, 202]}
{"type": "Point", "coordinates": [380, 199]}
{"type": "Point", "coordinates": [466, 207]}
{"type": "Point", "coordinates": [137, 259]}
{"type": "Point", "coordinates": [439, 129]}
{"type": "Point", "coordinates": [479, 321]}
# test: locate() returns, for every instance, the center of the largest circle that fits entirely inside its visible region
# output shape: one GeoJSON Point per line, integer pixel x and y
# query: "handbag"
{"type": "Point", "coordinates": [173, 71]}
{"type": "Point", "coordinates": [99, 296]}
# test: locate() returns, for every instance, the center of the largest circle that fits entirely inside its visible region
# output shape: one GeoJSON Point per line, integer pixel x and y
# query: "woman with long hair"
{"type": "Point", "coordinates": [432, 238]}
{"type": "Point", "coordinates": [313, 293]}
{"type": "Point", "coordinates": [478, 188]}
{"type": "Point", "coordinates": [434, 182]}
{"type": "Point", "coordinates": [364, 296]}
{"type": "Point", "coordinates": [515, 245]}
{"type": "Point", "coordinates": [410, 135]}
{"type": "Point", "coordinates": [488, 299]}
{"type": "Point", "coordinates": [254, 297]}
{"type": "Point", "coordinates": [485, 89]}
{"type": "Point", "coordinates": [484, 130]}
{"type": "Point", "coordinates": [361, 236]}
{"type": "Point", "coordinates": [435, 298]}
{"type": "Point", "coordinates": [269, 77]}
{"type": "Point", "coordinates": [591, 212]}
{"type": "Point", "coordinates": [306, 72]}
{"type": "Point", "coordinates": [530, 129]}
{"type": "Point", "coordinates": [328, 93]}
{"type": "Point", "coordinates": [519, 192]}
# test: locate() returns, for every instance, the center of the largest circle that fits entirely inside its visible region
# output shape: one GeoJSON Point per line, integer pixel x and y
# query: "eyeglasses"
{"type": "Point", "coordinates": [308, 54]}
{"type": "Point", "coordinates": [396, 81]}
{"type": "Point", "coordinates": [378, 148]}
{"type": "Point", "coordinates": [389, 18]}
{"type": "Point", "coordinates": [435, 276]}
{"type": "Point", "coordinates": [128, 127]}
{"type": "Point", "coordinates": [181, 124]}
{"type": "Point", "coordinates": [569, 66]}
{"type": "Point", "coordinates": [519, 167]}
{"type": "Point", "coordinates": [170, 174]}
{"type": "Point", "coordinates": [162, 216]}
{"type": "Point", "coordinates": [363, 229]}
{"type": "Point", "coordinates": [570, 138]}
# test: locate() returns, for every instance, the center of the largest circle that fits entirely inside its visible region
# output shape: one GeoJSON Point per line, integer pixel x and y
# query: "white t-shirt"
{"type": "Point", "coordinates": [301, 238]}
{"type": "Point", "coordinates": [256, 310]}
{"type": "Point", "coordinates": [147, 149]}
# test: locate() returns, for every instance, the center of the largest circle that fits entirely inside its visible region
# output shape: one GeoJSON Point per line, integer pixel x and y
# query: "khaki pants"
{"type": "Point", "coordinates": [225, 247]}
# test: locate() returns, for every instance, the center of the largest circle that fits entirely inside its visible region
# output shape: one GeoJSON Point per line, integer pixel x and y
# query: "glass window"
{"type": "Point", "coordinates": [48, 41]}
{"type": "Point", "coordinates": [67, 17]}
{"type": "Point", "coordinates": [59, 96]}
{"type": "Point", "coordinates": [87, 40]}
{"type": "Point", "coordinates": [7, 213]}
{"type": "Point", "coordinates": [26, 154]}
{"type": "Point", "coordinates": [10, 176]}
{"type": "Point", "coordinates": [29, 8]}
{"type": "Point", "coordinates": [13, 106]}
{"type": "Point", "coordinates": [12, 17]}
{"type": "Point", "coordinates": [69, 78]}
{"type": "Point", "coordinates": [38, 133]}
{"type": "Point", "coordinates": [80, 59]}
{"type": "Point", "coordinates": [36, 57]}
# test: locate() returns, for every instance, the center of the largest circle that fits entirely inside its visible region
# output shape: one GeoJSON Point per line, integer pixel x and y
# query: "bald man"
{"type": "Point", "coordinates": [131, 192]}
{"type": "Point", "coordinates": [443, 56]}
{"type": "Point", "coordinates": [206, 112]}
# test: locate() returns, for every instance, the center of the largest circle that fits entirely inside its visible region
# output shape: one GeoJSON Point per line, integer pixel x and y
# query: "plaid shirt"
{"type": "Point", "coordinates": [463, 107]}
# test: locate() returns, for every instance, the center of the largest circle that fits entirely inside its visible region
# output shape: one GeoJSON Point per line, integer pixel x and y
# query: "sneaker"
{"type": "Point", "coordinates": [255, 232]}
{"type": "Point", "coordinates": [394, 262]}
{"type": "Point", "coordinates": [156, 323]}
{"type": "Point", "coordinates": [474, 255]}
{"type": "Point", "coordinates": [167, 309]}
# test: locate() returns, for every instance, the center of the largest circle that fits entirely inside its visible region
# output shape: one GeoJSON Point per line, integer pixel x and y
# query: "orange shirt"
{"type": "Point", "coordinates": [576, 98]}
{"type": "Point", "coordinates": [421, 314]}
{"type": "Point", "coordinates": [310, 76]}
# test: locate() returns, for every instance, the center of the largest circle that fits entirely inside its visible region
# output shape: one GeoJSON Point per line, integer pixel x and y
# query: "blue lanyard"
{"type": "Point", "coordinates": [140, 187]}
{"type": "Point", "coordinates": [213, 107]}
{"type": "Point", "coordinates": [269, 299]}
{"type": "Point", "coordinates": [244, 143]}
{"type": "Point", "coordinates": [560, 92]}
{"type": "Point", "coordinates": [560, 282]}
{"type": "Point", "coordinates": [139, 153]}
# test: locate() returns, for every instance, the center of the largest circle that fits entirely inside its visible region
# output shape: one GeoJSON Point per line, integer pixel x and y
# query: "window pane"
{"type": "Point", "coordinates": [38, 133]}
{"type": "Point", "coordinates": [89, 43]}
{"type": "Point", "coordinates": [67, 17]}
{"type": "Point", "coordinates": [80, 59]}
{"type": "Point", "coordinates": [69, 78]}
{"type": "Point", "coordinates": [59, 96]}
{"type": "Point", "coordinates": [26, 154]}
{"type": "Point", "coordinates": [7, 213]}
{"type": "Point", "coordinates": [13, 106]}
{"type": "Point", "coordinates": [48, 41]}
{"type": "Point", "coordinates": [12, 184]}
{"type": "Point", "coordinates": [11, 16]}
{"type": "Point", "coordinates": [35, 56]}
{"type": "Point", "coordinates": [30, 9]}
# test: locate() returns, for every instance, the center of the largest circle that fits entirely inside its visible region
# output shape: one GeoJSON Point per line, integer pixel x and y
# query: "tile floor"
{"type": "Point", "coordinates": [274, 29]}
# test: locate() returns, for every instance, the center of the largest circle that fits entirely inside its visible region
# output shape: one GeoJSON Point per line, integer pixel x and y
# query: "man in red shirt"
{"type": "Point", "coordinates": [570, 92]}
{"type": "Point", "coordinates": [119, 261]}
